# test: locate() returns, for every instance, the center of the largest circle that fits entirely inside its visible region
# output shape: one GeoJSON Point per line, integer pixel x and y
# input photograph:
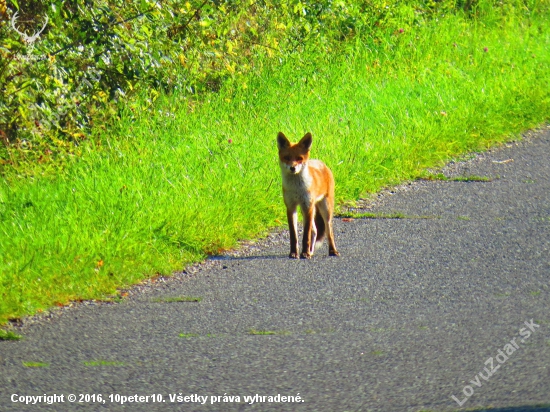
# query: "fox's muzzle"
{"type": "Point", "coordinates": [292, 169]}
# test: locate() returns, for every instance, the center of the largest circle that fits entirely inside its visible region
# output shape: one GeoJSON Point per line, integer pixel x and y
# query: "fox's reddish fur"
{"type": "Point", "coordinates": [307, 183]}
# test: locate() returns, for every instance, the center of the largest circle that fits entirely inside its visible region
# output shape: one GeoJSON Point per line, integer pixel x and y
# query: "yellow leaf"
{"type": "Point", "coordinates": [230, 68]}
{"type": "Point", "coordinates": [22, 112]}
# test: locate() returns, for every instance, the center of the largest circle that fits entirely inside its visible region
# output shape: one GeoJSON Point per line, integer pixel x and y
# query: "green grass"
{"type": "Point", "coordinates": [371, 215]}
{"type": "Point", "coordinates": [267, 332]}
{"type": "Point", "coordinates": [179, 180]}
{"type": "Point", "coordinates": [188, 335]}
{"type": "Point", "coordinates": [36, 364]}
{"type": "Point", "coordinates": [470, 178]}
{"type": "Point", "coordinates": [9, 335]}
{"type": "Point", "coordinates": [381, 215]}
{"type": "Point", "coordinates": [103, 363]}
{"type": "Point", "coordinates": [377, 353]}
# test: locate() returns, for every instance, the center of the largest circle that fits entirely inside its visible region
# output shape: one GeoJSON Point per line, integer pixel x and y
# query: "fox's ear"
{"type": "Point", "coordinates": [306, 141]}
{"type": "Point", "coordinates": [282, 141]}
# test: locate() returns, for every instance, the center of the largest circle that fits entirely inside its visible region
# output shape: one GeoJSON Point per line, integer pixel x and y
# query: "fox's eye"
{"type": "Point", "coordinates": [287, 158]}
{"type": "Point", "coordinates": [299, 159]}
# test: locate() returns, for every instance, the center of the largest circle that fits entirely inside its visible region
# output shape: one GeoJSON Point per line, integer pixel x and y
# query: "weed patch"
{"type": "Point", "coordinates": [9, 335]}
{"type": "Point", "coordinates": [442, 177]}
{"type": "Point", "coordinates": [381, 215]}
{"type": "Point", "coordinates": [267, 332]}
{"type": "Point", "coordinates": [188, 335]}
{"type": "Point", "coordinates": [102, 363]}
{"type": "Point", "coordinates": [36, 364]}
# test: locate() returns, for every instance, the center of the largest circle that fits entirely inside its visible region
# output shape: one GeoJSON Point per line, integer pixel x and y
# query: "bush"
{"type": "Point", "coordinates": [85, 56]}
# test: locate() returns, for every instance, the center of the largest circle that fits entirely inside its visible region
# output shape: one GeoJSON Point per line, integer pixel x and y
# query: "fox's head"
{"type": "Point", "coordinates": [293, 156]}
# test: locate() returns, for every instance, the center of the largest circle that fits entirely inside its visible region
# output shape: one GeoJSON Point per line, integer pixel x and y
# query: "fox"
{"type": "Point", "coordinates": [307, 183]}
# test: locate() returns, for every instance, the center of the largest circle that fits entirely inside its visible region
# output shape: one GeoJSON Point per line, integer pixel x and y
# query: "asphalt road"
{"type": "Point", "coordinates": [408, 317]}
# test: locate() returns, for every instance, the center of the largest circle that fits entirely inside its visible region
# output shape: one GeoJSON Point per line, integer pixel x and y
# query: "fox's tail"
{"type": "Point", "coordinates": [320, 225]}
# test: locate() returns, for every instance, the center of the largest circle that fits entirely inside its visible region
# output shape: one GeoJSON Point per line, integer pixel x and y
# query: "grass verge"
{"type": "Point", "coordinates": [178, 181]}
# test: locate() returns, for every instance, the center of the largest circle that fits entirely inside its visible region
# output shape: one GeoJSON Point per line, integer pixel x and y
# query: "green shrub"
{"type": "Point", "coordinates": [61, 83]}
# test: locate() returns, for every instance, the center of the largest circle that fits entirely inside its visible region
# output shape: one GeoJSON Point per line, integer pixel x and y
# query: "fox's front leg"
{"type": "Point", "coordinates": [308, 215]}
{"type": "Point", "coordinates": [292, 217]}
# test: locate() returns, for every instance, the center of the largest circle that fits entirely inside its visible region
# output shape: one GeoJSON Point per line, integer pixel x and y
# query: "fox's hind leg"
{"type": "Point", "coordinates": [331, 244]}
{"type": "Point", "coordinates": [326, 212]}
{"type": "Point", "coordinates": [313, 237]}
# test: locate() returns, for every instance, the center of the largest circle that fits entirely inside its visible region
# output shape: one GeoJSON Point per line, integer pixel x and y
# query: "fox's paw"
{"type": "Point", "coordinates": [305, 255]}
{"type": "Point", "coordinates": [293, 255]}
{"type": "Point", "coordinates": [333, 253]}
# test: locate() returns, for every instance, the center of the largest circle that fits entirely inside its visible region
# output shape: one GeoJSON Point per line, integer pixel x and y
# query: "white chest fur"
{"type": "Point", "coordinates": [296, 187]}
